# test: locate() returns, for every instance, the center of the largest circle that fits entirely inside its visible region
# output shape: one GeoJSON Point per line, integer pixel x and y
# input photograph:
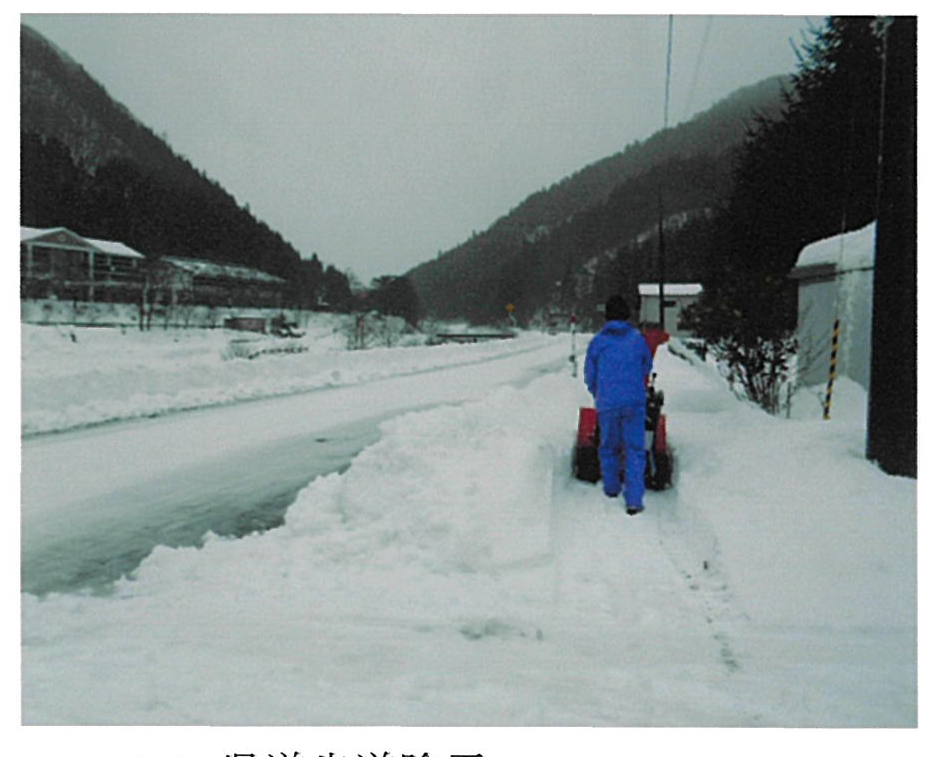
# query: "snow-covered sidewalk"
{"type": "Point", "coordinates": [456, 575]}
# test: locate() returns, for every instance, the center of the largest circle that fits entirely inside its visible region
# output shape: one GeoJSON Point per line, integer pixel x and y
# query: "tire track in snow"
{"type": "Point", "coordinates": [685, 540]}
{"type": "Point", "coordinates": [610, 566]}
{"type": "Point", "coordinates": [685, 534]}
{"type": "Point", "coordinates": [692, 547]}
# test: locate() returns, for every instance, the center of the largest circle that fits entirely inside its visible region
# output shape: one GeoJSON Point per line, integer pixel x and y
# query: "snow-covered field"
{"type": "Point", "coordinates": [75, 376]}
{"type": "Point", "coordinates": [457, 575]}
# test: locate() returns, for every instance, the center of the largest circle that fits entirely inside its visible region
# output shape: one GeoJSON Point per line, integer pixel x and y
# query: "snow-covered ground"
{"type": "Point", "coordinates": [95, 501]}
{"type": "Point", "coordinates": [75, 376]}
{"type": "Point", "coordinates": [456, 574]}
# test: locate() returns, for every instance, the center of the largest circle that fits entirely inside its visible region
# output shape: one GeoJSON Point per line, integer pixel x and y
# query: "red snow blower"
{"type": "Point", "coordinates": [658, 462]}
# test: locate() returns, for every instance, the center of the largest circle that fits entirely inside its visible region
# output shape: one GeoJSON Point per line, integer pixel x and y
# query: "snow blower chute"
{"type": "Point", "coordinates": [658, 463]}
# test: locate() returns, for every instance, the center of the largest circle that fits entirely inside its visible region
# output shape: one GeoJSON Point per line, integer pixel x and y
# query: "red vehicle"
{"type": "Point", "coordinates": [658, 462]}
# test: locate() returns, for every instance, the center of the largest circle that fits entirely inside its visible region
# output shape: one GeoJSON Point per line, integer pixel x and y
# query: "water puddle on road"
{"type": "Point", "coordinates": [233, 496]}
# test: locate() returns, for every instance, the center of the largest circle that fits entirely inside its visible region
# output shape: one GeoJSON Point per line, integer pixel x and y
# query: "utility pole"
{"type": "Point", "coordinates": [891, 438]}
{"type": "Point", "coordinates": [661, 210]}
{"type": "Point", "coordinates": [661, 263]}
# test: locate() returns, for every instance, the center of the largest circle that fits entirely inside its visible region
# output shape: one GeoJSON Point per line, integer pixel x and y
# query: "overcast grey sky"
{"type": "Point", "coordinates": [377, 140]}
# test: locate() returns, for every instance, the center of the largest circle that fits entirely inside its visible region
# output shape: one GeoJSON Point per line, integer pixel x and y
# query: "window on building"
{"type": "Point", "coordinates": [77, 265]}
{"type": "Point", "coordinates": [41, 262]}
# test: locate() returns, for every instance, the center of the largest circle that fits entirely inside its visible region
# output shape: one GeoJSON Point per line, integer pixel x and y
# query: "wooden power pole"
{"type": "Point", "coordinates": [891, 438]}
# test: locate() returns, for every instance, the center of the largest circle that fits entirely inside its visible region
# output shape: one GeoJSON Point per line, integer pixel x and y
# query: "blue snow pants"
{"type": "Point", "coordinates": [622, 438]}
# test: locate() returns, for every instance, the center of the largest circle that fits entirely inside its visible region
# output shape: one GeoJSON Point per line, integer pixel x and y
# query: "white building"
{"type": "Point", "coordinates": [60, 263]}
{"type": "Point", "coordinates": [677, 298]}
{"type": "Point", "coordinates": [835, 280]}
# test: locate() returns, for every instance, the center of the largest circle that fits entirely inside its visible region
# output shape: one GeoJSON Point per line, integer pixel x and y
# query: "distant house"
{"type": "Point", "coordinates": [206, 282]}
{"type": "Point", "coordinates": [677, 298]}
{"type": "Point", "coordinates": [835, 280]}
{"type": "Point", "coordinates": [60, 263]}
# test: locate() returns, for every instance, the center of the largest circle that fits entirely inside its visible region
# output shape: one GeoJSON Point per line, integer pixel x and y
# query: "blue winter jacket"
{"type": "Point", "coordinates": [618, 363]}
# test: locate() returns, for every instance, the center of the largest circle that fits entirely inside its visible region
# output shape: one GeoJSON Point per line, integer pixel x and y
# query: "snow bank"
{"type": "Point", "coordinates": [849, 403]}
{"type": "Point", "coordinates": [75, 376]}
{"type": "Point", "coordinates": [421, 533]}
{"type": "Point", "coordinates": [794, 505]}
{"type": "Point", "coordinates": [456, 575]}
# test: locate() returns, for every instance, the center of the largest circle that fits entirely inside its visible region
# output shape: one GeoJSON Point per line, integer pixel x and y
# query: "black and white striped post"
{"type": "Point", "coordinates": [834, 350]}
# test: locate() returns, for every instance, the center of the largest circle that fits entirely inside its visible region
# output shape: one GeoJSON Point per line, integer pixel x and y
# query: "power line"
{"type": "Point", "coordinates": [698, 64]}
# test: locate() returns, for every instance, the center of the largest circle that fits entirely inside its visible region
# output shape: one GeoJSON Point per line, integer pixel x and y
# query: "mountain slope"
{"type": "Point", "coordinates": [60, 101]}
{"type": "Point", "coordinates": [604, 207]}
{"type": "Point", "coordinates": [88, 164]}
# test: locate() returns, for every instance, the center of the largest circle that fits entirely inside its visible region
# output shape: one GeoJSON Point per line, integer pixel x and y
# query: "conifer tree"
{"type": "Point", "coordinates": [803, 176]}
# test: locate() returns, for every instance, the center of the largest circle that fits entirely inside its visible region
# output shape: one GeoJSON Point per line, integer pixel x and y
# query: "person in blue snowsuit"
{"type": "Point", "coordinates": [618, 364]}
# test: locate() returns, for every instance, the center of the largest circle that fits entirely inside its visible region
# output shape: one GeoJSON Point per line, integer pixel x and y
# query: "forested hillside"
{"type": "Point", "coordinates": [86, 163]}
{"type": "Point", "coordinates": [556, 247]}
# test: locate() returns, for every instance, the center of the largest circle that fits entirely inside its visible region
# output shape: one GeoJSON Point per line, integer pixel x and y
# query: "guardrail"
{"type": "Point", "coordinates": [472, 337]}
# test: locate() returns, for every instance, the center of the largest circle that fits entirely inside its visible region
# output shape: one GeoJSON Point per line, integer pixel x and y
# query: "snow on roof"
{"type": "Point", "coordinates": [676, 290]}
{"type": "Point", "coordinates": [848, 252]}
{"type": "Point", "coordinates": [221, 270]}
{"type": "Point", "coordinates": [106, 246]}
{"type": "Point", "coordinates": [28, 232]}
{"type": "Point", "coordinates": [114, 248]}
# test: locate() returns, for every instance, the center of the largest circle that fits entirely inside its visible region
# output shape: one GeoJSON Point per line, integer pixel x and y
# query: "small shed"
{"type": "Point", "coordinates": [835, 280]}
{"type": "Point", "coordinates": [677, 298]}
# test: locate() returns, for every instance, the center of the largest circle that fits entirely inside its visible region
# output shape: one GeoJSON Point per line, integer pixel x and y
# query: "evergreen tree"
{"type": "Point", "coordinates": [395, 295]}
{"type": "Point", "coordinates": [53, 189]}
{"type": "Point", "coordinates": [806, 175]}
{"type": "Point", "coordinates": [336, 290]}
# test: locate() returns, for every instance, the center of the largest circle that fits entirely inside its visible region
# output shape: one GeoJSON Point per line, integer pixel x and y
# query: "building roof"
{"type": "Point", "coordinates": [196, 266]}
{"type": "Point", "coordinates": [851, 251]}
{"type": "Point", "coordinates": [28, 233]}
{"type": "Point", "coordinates": [674, 290]}
{"type": "Point", "coordinates": [115, 248]}
{"type": "Point", "coordinates": [221, 270]}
